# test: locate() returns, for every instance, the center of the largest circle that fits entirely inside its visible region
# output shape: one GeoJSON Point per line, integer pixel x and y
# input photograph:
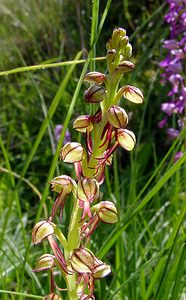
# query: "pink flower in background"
{"type": "Point", "coordinates": [178, 155]}
{"type": "Point", "coordinates": [173, 66]}
{"type": "Point", "coordinates": [172, 133]}
{"type": "Point", "coordinates": [57, 132]}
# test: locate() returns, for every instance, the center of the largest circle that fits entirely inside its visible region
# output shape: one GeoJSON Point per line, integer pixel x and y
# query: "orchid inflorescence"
{"type": "Point", "coordinates": [104, 132]}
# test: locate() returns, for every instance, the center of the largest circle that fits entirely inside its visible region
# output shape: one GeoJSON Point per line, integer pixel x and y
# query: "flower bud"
{"type": "Point", "coordinates": [94, 77]}
{"type": "Point", "coordinates": [124, 66]}
{"type": "Point", "coordinates": [41, 230]}
{"type": "Point", "coordinates": [71, 152]}
{"type": "Point", "coordinates": [117, 35]}
{"type": "Point", "coordinates": [45, 262]}
{"type": "Point", "coordinates": [127, 51]}
{"type": "Point", "coordinates": [82, 260]}
{"type": "Point", "coordinates": [118, 32]}
{"type": "Point", "coordinates": [83, 124]}
{"type": "Point", "coordinates": [132, 94]}
{"type": "Point", "coordinates": [52, 296]}
{"type": "Point", "coordinates": [107, 212]}
{"type": "Point", "coordinates": [88, 189]}
{"type": "Point", "coordinates": [62, 182]}
{"type": "Point", "coordinates": [111, 55]}
{"type": "Point", "coordinates": [117, 116]}
{"type": "Point", "coordinates": [126, 139]}
{"type": "Point", "coordinates": [95, 94]}
{"type": "Point", "coordinates": [84, 256]}
{"type": "Point", "coordinates": [109, 45]}
{"type": "Point", "coordinates": [123, 42]}
{"type": "Point", "coordinates": [101, 271]}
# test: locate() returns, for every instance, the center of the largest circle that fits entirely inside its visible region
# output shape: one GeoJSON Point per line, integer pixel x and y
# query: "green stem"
{"type": "Point", "coordinates": [60, 236]}
{"type": "Point", "coordinates": [71, 282]}
{"type": "Point", "coordinates": [89, 168]}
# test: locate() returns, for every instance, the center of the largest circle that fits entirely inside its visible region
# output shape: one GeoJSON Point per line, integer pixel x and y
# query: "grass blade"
{"type": "Point", "coordinates": [136, 208]}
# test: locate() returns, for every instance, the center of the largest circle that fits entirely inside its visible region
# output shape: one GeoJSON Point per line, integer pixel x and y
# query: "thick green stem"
{"type": "Point", "coordinates": [89, 169]}
{"type": "Point", "coordinates": [71, 282]}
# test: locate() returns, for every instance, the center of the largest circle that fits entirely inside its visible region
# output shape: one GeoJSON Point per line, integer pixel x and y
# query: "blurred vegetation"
{"type": "Point", "coordinates": [149, 253]}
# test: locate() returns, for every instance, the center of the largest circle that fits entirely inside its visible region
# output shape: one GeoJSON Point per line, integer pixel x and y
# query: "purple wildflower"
{"type": "Point", "coordinates": [178, 155]}
{"type": "Point", "coordinates": [168, 108]}
{"type": "Point", "coordinates": [173, 66]}
{"type": "Point", "coordinates": [57, 132]}
{"type": "Point", "coordinates": [162, 123]}
{"type": "Point", "coordinates": [172, 133]}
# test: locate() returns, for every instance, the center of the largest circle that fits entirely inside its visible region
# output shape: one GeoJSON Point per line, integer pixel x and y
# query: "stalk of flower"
{"type": "Point", "coordinates": [104, 132]}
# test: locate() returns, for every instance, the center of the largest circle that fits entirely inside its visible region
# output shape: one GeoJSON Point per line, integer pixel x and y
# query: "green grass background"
{"type": "Point", "coordinates": [146, 249]}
